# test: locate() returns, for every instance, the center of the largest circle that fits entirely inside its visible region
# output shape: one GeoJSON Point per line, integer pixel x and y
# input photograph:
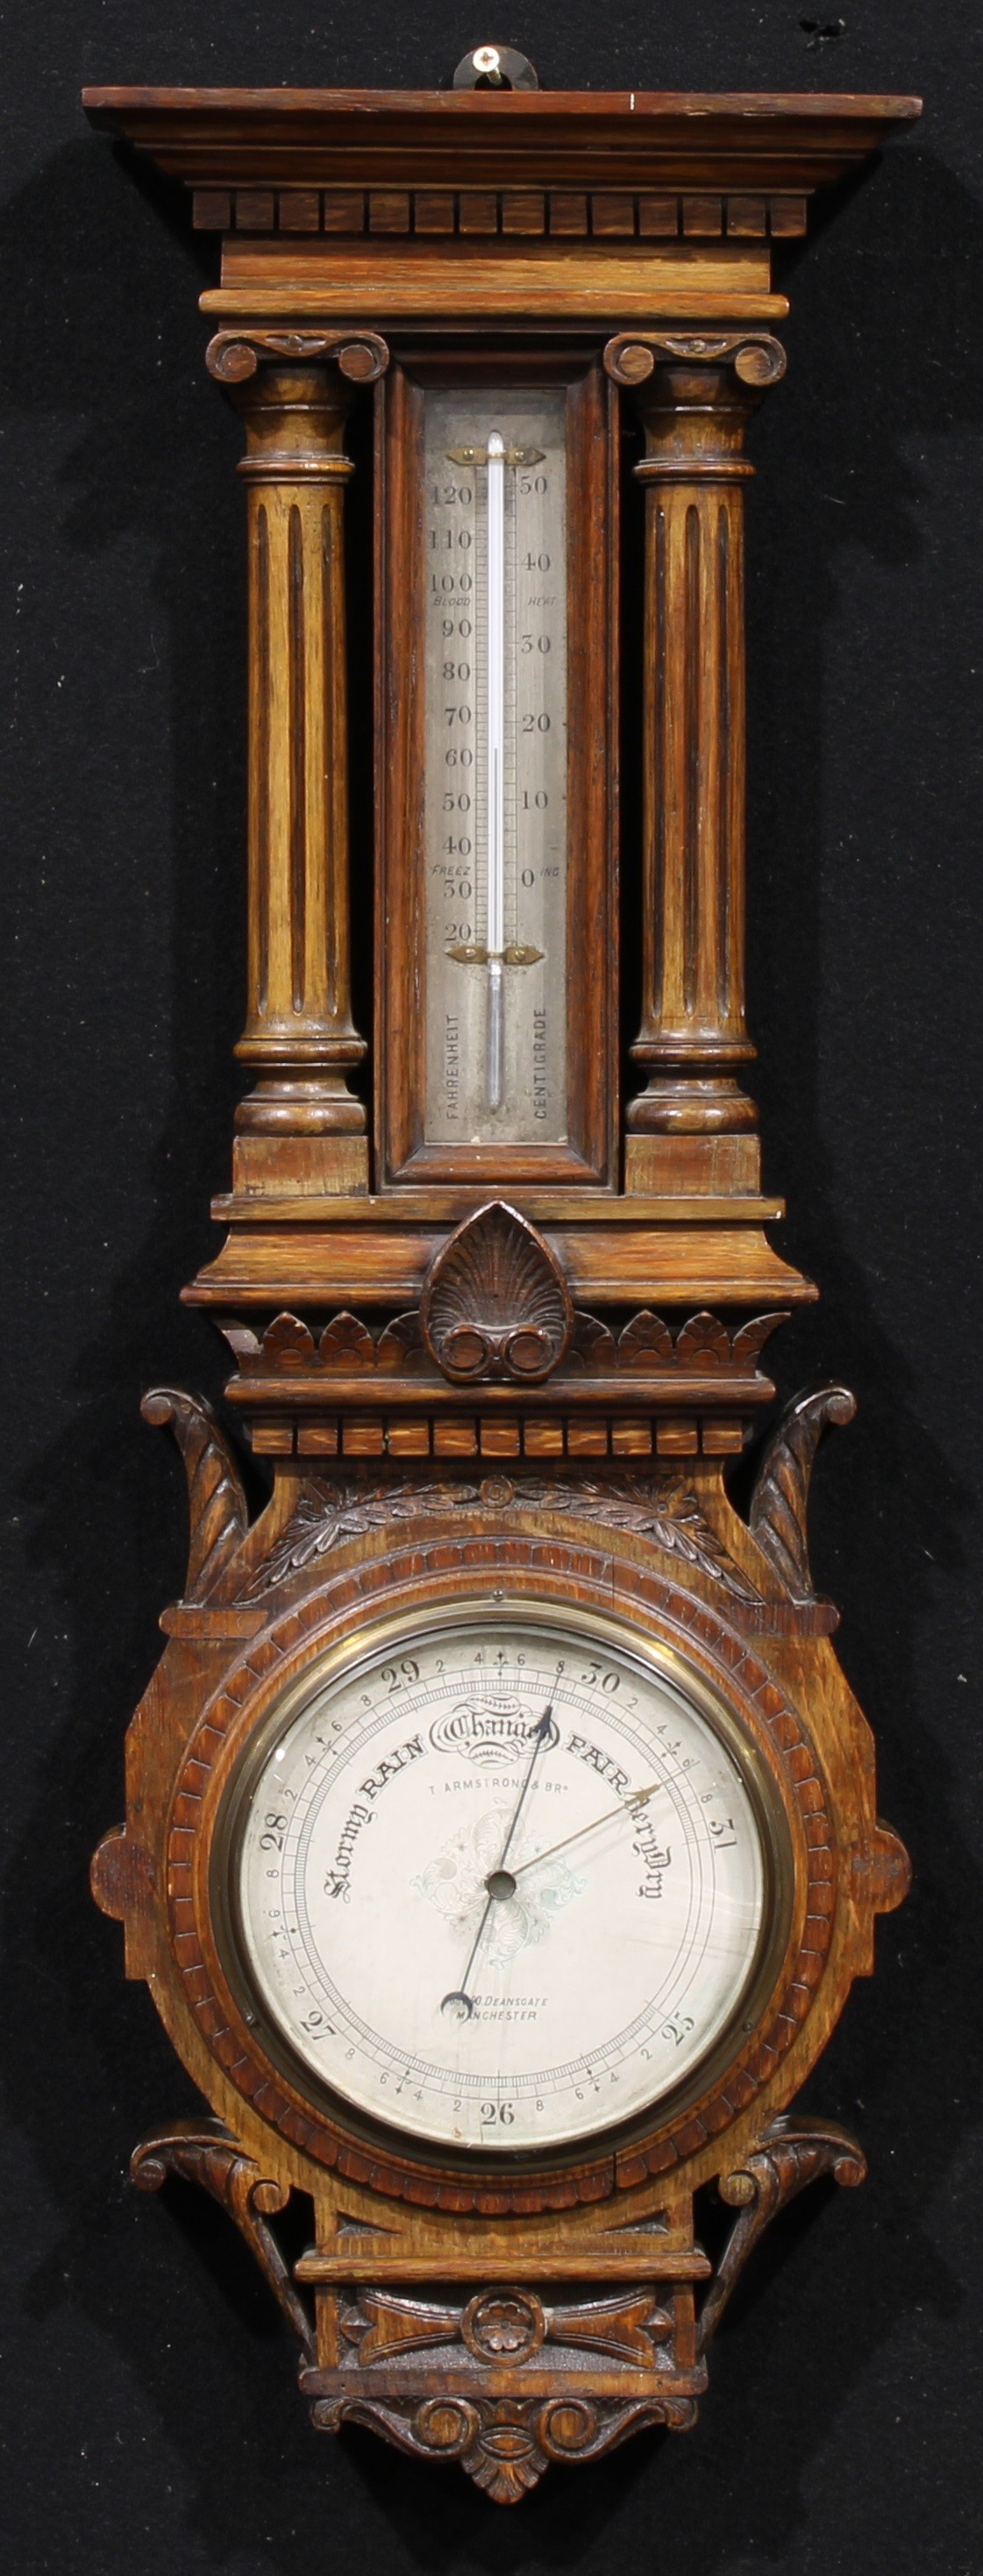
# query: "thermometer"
{"type": "Point", "coordinates": [496, 768]}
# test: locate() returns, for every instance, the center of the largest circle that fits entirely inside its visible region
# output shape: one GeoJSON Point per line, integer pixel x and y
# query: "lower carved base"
{"type": "Point", "coordinates": [505, 2443]}
{"type": "Point", "coordinates": [514, 2377]}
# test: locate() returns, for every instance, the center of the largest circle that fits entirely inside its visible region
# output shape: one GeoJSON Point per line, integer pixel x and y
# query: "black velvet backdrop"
{"type": "Point", "coordinates": [151, 2423]}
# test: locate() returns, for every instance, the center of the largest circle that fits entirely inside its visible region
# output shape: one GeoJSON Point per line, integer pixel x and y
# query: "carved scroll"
{"type": "Point", "coordinates": [232, 356]}
{"type": "Point", "coordinates": [757, 358]}
{"type": "Point", "coordinates": [505, 2443]}
{"type": "Point", "coordinates": [206, 2153]}
{"type": "Point", "coordinates": [217, 1505]}
{"type": "Point", "coordinates": [779, 1504]}
{"type": "Point", "coordinates": [792, 2153]}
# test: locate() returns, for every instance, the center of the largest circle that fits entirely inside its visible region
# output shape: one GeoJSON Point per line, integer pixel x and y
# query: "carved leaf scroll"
{"type": "Point", "coordinates": [645, 1347]}
{"type": "Point", "coordinates": [703, 1343]}
{"type": "Point", "coordinates": [791, 2154]}
{"type": "Point", "coordinates": [593, 1344]}
{"type": "Point", "coordinates": [662, 1508]}
{"type": "Point", "coordinates": [288, 1343]}
{"type": "Point", "coordinates": [495, 1302]}
{"type": "Point", "coordinates": [346, 1343]}
{"type": "Point", "coordinates": [327, 1515]}
{"type": "Point", "coordinates": [217, 1505]}
{"type": "Point", "coordinates": [645, 1343]}
{"type": "Point", "coordinates": [780, 1502]}
{"type": "Point", "coordinates": [205, 2152]}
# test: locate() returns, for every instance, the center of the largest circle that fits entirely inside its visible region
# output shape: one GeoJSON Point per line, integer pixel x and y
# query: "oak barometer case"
{"type": "Point", "coordinates": [501, 1842]}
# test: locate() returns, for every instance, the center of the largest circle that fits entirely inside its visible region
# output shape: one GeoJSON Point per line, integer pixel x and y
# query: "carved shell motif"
{"type": "Point", "coordinates": [495, 1303]}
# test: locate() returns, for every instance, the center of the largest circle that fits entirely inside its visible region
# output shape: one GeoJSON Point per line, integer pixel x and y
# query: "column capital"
{"type": "Point", "coordinates": [235, 355]}
{"type": "Point", "coordinates": [757, 358]}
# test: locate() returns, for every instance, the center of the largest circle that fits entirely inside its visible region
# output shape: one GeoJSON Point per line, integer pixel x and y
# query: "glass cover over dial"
{"type": "Point", "coordinates": [500, 1884]}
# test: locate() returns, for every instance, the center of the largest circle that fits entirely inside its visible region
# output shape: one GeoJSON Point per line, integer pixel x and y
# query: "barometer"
{"type": "Point", "coordinates": [501, 1841]}
{"type": "Point", "coordinates": [507, 1889]}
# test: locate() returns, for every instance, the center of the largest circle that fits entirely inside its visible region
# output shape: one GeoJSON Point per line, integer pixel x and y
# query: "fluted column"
{"type": "Point", "coordinates": [693, 1127]}
{"type": "Point", "coordinates": [300, 1130]}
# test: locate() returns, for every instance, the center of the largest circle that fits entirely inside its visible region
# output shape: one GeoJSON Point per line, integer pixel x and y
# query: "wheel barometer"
{"type": "Point", "coordinates": [501, 1843]}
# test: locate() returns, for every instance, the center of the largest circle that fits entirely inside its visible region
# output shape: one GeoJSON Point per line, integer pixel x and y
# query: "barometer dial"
{"type": "Point", "coordinates": [500, 1885]}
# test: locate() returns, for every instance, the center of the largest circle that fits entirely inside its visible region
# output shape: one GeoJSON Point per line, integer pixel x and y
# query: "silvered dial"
{"type": "Point", "coordinates": [500, 1885]}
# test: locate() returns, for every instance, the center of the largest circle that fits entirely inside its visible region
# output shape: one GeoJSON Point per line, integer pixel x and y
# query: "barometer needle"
{"type": "Point", "coordinates": [625, 1807]}
{"type": "Point", "coordinates": [500, 1881]}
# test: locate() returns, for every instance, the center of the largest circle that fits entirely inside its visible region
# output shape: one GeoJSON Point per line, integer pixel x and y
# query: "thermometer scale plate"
{"type": "Point", "coordinates": [496, 772]}
{"type": "Point", "coordinates": [496, 760]}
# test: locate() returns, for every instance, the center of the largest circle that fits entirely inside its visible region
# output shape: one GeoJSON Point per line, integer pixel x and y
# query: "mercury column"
{"type": "Point", "coordinates": [692, 1129]}
{"type": "Point", "coordinates": [300, 1131]}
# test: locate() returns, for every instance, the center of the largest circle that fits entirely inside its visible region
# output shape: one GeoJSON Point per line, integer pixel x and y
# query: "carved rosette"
{"type": "Point", "coordinates": [505, 2436]}
{"type": "Point", "coordinates": [506, 2326]}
